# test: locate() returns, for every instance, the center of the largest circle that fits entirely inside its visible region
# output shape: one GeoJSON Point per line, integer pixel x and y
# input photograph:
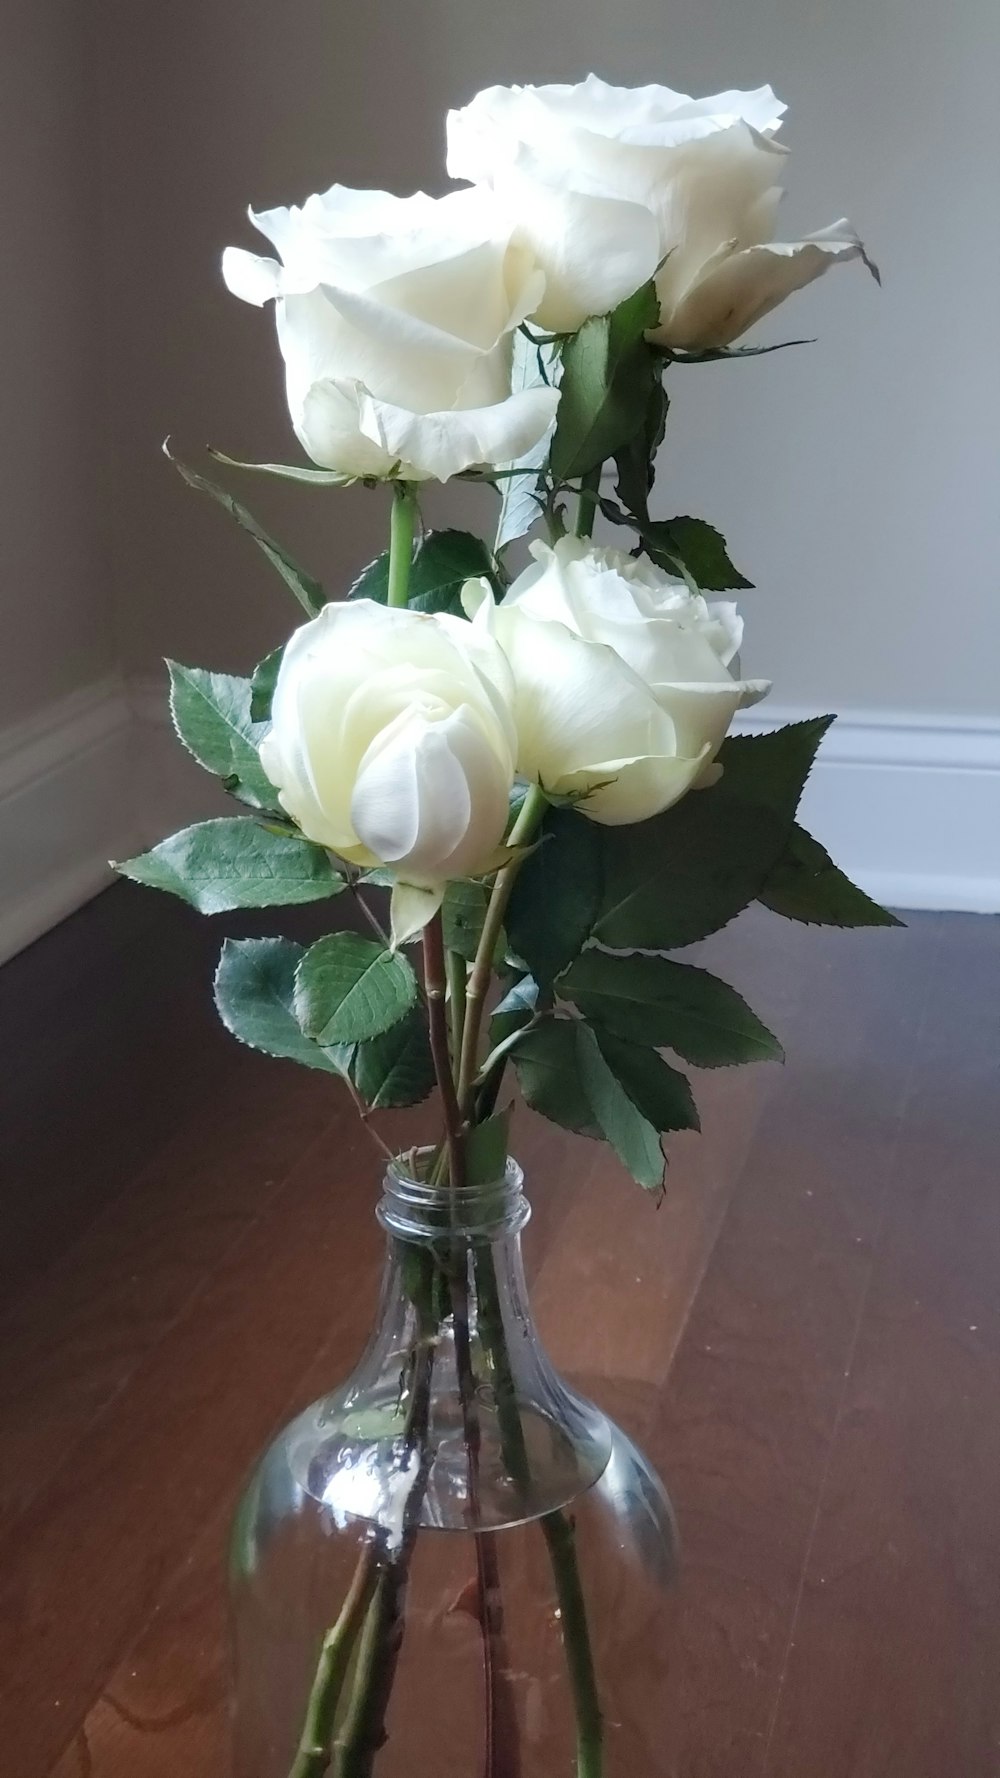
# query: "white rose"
{"type": "Point", "coordinates": [577, 165]}
{"type": "Point", "coordinates": [622, 690]}
{"type": "Point", "coordinates": [395, 319]}
{"type": "Point", "coordinates": [678, 643]}
{"type": "Point", "coordinates": [392, 741]}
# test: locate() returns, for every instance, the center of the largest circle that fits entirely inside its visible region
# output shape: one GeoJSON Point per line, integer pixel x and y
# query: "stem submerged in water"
{"type": "Point", "coordinates": [314, 1755]}
{"type": "Point", "coordinates": [363, 1731]}
{"type": "Point", "coordinates": [557, 1529]}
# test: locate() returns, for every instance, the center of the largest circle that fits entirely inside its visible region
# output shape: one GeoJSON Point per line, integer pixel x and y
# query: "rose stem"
{"type": "Point", "coordinates": [435, 987]}
{"type": "Point", "coordinates": [457, 976]}
{"type": "Point", "coordinates": [314, 1754]}
{"type": "Point", "coordinates": [586, 511]}
{"type": "Point", "coordinates": [382, 1638]}
{"type": "Point", "coordinates": [560, 1536]}
{"type": "Point", "coordinates": [401, 527]}
{"type": "Point", "coordinates": [500, 1754]}
{"type": "Point", "coordinates": [374, 1599]}
{"type": "Point", "coordinates": [530, 815]}
{"type": "Point", "coordinates": [557, 1529]}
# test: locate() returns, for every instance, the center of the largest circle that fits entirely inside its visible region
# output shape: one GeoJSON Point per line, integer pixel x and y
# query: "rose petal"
{"type": "Point", "coordinates": [735, 289]}
{"type": "Point", "coordinates": [251, 276]}
{"type": "Point", "coordinates": [328, 426]}
{"type": "Point", "coordinates": [575, 701]}
{"type": "Point", "coordinates": [595, 250]}
{"type": "Point", "coordinates": [623, 791]}
{"type": "Point", "coordinates": [441, 445]}
{"type": "Point", "coordinates": [431, 798]}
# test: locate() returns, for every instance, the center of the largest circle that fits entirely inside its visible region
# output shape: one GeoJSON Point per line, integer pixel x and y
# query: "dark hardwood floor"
{"type": "Point", "coordinates": [806, 1337]}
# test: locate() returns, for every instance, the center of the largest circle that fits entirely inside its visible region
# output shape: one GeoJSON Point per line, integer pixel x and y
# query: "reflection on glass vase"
{"type": "Point", "coordinates": [452, 1566]}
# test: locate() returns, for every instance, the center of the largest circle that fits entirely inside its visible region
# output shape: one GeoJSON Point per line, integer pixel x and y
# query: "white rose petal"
{"type": "Point", "coordinates": [395, 319]}
{"type": "Point", "coordinates": [737, 287]}
{"type": "Point", "coordinates": [442, 445]}
{"type": "Point", "coordinates": [561, 159]}
{"type": "Point", "coordinates": [392, 742]}
{"type": "Point", "coordinates": [622, 691]}
{"type": "Point", "coordinates": [668, 635]}
{"type": "Point", "coordinates": [596, 250]}
{"type": "Point", "coordinates": [431, 797]}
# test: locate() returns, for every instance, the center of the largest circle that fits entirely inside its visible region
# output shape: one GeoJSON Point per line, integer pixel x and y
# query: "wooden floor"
{"type": "Point", "coordinates": [806, 1337]}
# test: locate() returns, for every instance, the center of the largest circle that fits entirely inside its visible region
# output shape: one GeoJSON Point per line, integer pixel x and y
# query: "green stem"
{"type": "Point", "coordinates": [363, 1732]}
{"type": "Point", "coordinates": [435, 982]}
{"type": "Point", "coordinates": [560, 1535]}
{"type": "Point", "coordinates": [494, 1338]}
{"type": "Point", "coordinates": [586, 511]}
{"type": "Point", "coordinates": [524, 829]}
{"type": "Point", "coordinates": [401, 528]}
{"type": "Point", "coordinates": [557, 1528]}
{"type": "Point", "coordinates": [457, 973]}
{"type": "Point", "coordinates": [372, 1610]}
{"type": "Point", "coordinates": [314, 1754]}
{"type": "Point", "coordinates": [500, 1741]}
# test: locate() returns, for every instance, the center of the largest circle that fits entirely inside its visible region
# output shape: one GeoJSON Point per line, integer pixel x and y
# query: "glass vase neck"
{"type": "Point", "coordinates": [415, 1210]}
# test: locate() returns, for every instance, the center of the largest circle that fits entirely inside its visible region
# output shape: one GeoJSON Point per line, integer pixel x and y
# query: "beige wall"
{"type": "Point", "coordinates": [857, 479]}
{"type": "Point", "coordinates": [54, 589]}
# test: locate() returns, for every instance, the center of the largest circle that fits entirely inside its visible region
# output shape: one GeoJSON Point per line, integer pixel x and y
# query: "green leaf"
{"type": "Point", "coordinates": [308, 591]}
{"type": "Point", "coordinates": [547, 1069]}
{"type": "Point", "coordinates": [653, 1001]}
{"type": "Point", "coordinates": [557, 894]}
{"type": "Point", "coordinates": [770, 770]}
{"type": "Point", "coordinates": [211, 713]}
{"type": "Point", "coordinates": [533, 366]}
{"type": "Point", "coordinates": [290, 472]}
{"type": "Point", "coordinates": [516, 1009]}
{"type": "Point", "coordinates": [442, 563]}
{"type": "Point", "coordinates": [661, 1093]}
{"type": "Point", "coordinates": [486, 1149]}
{"type": "Point", "coordinates": [636, 460]}
{"type": "Point", "coordinates": [265, 678]}
{"type": "Point", "coordinates": [710, 354]}
{"type": "Point", "coordinates": [608, 373]}
{"type": "Point", "coordinates": [462, 915]}
{"type": "Point", "coordinates": [564, 1074]}
{"type": "Point", "coordinates": [806, 885]}
{"type": "Point", "coordinates": [685, 874]}
{"type": "Point", "coordinates": [633, 1138]}
{"type": "Point", "coordinates": [254, 992]}
{"type": "Point", "coordinates": [694, 549]}
{"type": "Point", "coordinates": [395, 1068]}
{"type": "Point", "coordinates": [673, 880]}
{"type": "Point", "coordinates": [235, 863]}
{"type": "Point", "coordinates": [373, 581]}
{"type": "Point", "coordinates": [350, 988]}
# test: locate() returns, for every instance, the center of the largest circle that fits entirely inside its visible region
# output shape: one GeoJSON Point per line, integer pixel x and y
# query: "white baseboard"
{"type": "Point", "coordinates": [909, 807]}
{"type": "Point", "coordinates": [94, 776]}
{"type": "Point", "coordinates": [66, 807]}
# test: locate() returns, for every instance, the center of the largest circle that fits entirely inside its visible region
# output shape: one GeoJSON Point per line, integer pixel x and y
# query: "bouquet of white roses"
{"type": "Point", "coordinates": [521, 775]}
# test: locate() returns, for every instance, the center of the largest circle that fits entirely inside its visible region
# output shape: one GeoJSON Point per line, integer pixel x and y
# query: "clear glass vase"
{"type": "Point", "coordinates": [452, 1566]}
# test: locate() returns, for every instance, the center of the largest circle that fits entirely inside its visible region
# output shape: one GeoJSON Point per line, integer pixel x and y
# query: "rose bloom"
{"type": "Point", "coordinates": [395, 319]}
{"type": "Point", "coordinates": [622, 686]}
{"type": "Point", "coordinates": [608, 183]}
{"type": "Point", "coordinates": [392, 742]}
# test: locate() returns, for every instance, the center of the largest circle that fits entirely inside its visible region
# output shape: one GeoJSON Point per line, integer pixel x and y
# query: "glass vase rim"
{"type": "Point", "coordinates": [413, 1207]}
